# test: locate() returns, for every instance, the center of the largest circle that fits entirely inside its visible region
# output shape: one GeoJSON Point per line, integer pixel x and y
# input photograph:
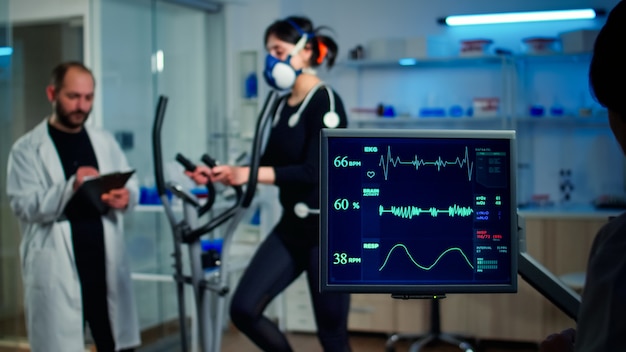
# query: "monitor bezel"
{"type": "Point", "coordinates": [415, 290]}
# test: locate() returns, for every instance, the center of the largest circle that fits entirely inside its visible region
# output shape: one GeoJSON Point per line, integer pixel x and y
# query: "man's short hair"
{"type": "Point", "coordinates": [59, 72]}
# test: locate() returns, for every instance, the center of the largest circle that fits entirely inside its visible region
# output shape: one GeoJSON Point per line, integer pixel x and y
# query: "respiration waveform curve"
{"type": "Point", "coordinates": [439, 163]}
{"type": "Point", "coordinates": [408, 212]}
{"type": "Point", "coordinates": [400, 245]}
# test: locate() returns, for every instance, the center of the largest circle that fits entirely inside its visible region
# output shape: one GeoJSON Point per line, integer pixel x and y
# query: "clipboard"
{"type": "Point", "coordinates": [107, 182]}
{"type": "Point", "coordinates": [91, 189]}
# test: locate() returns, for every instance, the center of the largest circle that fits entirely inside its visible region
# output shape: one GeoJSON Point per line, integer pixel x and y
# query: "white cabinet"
{"type": "Point", "coordinates": [299, 312]}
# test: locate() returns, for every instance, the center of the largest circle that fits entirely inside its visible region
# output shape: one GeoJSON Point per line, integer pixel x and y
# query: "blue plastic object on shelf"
{"type": "Point", "coordinates": [456, 111]}
{"type": "Point", "coordinates": [150, 196]}
{"type": "Point", "coordinates": [251, 86]}
{"type": "Point", "coordinates": [432, 112]}
{"type": "Point", "coordinates": [256, 217]}
{"type": "Point", "coordinates": [536, 110]}
{"type": "Point", "coordinates": [557, 111]}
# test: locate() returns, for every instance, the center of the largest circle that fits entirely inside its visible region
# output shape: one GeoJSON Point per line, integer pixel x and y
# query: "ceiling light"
{"type": "Point", "coordinates": [516, 17]}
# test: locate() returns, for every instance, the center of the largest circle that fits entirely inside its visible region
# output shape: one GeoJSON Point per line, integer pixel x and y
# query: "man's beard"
{"type": "Point", "coordinates": [64, 117]}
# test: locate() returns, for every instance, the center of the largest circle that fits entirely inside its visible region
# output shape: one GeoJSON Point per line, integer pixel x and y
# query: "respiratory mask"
{"type": "Point", "coordinates": [280, 74]}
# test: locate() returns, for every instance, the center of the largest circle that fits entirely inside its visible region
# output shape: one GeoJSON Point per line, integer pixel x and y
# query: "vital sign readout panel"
{"type": "Point", "coordinates": [418, 211]}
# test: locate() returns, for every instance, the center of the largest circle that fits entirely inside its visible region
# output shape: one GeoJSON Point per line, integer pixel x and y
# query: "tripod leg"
{"type": "Point", "coordinates": [454, 341]}
{"type": "Point", "coordinates": [391, 341]}
{"type": "Point", "coordinates": [417, 345]}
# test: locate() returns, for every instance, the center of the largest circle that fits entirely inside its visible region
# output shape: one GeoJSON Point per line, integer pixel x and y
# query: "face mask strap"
{"type": "Point", "coordinates": [304, 38]}
{"type": "Point", "coordinates": [299, 45]}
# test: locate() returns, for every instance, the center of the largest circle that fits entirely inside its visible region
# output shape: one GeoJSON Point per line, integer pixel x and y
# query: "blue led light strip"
{"type": "Point", "coordinates": [516, 17]}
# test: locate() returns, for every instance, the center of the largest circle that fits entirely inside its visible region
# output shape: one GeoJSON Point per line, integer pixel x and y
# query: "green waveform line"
{"type": "Point", "coordinates": [409, 212]}
{"type": "Point", "coordinates": [425, 267]}
{"type": "Point", "coordinates": [439, 163]}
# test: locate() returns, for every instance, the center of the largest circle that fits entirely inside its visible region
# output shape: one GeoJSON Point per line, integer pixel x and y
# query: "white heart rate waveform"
{"type": "Point", "coordinates": [385, 160]}
{"type": "Point", "coordinates": [408, 212]}
{"type": "Point", "coordinates": [423, 267]}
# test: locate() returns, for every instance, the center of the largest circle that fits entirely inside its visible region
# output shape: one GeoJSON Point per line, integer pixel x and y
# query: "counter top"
{"type": "Point", "coordinates": [574, 211]}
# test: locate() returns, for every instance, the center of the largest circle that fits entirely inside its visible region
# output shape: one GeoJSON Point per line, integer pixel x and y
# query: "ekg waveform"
{"type": "Point", "coordinates": [408, 212]}
{"type": "Point", "coordinates": [385, 160]}
{"type": "Point", "coordinates": [453, 249]}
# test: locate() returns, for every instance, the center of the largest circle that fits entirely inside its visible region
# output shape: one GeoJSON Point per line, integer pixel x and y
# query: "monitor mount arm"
{"type": "Point", "coordinates": [542, 280]}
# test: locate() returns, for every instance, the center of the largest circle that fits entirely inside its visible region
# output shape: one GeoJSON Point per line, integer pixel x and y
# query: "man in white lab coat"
{"type": "Point", "coordinates": [74, 265]}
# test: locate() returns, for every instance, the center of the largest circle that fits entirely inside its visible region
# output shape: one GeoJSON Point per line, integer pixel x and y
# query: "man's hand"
{"type": "Point", "coordinates": [561, 342]}
{"type": "Point", "coordinates": [116, 198]}
{"type": "Point", "coordinates": [82, 172]}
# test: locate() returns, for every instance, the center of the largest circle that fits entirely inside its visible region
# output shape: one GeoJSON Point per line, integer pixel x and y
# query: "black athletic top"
{"type": "Point", "coordinates": [75, 150]}
{"type": "Point", "coordinates": [293, 151]}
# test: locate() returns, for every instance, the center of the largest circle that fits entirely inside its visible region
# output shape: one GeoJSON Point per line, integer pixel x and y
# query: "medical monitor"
{"type": "Point", "coordinates": [418, 212]}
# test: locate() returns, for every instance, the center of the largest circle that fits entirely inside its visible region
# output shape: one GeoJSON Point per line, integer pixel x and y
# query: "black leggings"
{"type": "Point", "coordinates": [272, 269]}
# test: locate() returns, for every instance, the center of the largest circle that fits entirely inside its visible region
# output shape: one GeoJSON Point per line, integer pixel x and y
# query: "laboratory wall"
{"type": "Point", "coordinates": [545, 150]}
{"type": "Point", "coordinates": [141, 50]}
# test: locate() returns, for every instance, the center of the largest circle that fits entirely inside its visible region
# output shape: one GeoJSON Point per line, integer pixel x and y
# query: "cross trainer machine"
{"type": "Point", "coordinates": [210, 287]}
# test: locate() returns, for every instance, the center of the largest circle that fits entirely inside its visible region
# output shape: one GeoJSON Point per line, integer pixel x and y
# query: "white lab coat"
{"type": "Point", "coordinates": [38, 193]}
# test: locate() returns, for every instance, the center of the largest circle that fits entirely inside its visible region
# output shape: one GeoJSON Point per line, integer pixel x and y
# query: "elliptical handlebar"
{"type": "Point", "coordinates": [156, 145]}
{"type": "Point", "coordinates": [210, 162]}
{"type": "Point", "coordinates": [190, 166]}
{"type": "Point", "coordinates": [264, 117]}
{"type": "Point", "coordinates": [161, 189]}
{"type": "Point", "coordinates": [244, 197]}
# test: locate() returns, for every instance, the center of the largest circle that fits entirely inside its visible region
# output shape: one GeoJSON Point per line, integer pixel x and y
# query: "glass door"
{"type": "Point", "coordinates": [150, 48]}
{"type": "Point", "coordinates": [11, 321]}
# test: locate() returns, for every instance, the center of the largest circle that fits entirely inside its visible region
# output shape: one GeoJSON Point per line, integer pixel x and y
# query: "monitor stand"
{"type": "Point", "coordinates": [434, 334]}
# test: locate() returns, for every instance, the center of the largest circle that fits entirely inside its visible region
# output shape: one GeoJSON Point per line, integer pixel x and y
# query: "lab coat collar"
{"type": "Point", "coordinates": [47, 152]}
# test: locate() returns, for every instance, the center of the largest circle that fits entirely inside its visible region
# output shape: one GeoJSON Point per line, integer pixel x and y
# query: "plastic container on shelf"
{"type": "Point", "coordinates": [540, 45]}
{"type": "Point", "coordinates": [578, 41]}
{"type": "Point", "coordinates": [475, 47]}
{"type": "Point", "coordinates": [486, 106]}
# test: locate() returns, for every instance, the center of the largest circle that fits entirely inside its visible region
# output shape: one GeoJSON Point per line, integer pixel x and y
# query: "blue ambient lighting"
{"type": "Point", "coordinates": [407, 62]}
{"type": "Point", "coordinates": [6, 51]}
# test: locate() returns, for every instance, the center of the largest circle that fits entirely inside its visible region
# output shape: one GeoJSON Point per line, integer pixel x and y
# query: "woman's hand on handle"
{"type": "Point", "coordinates": [201, 175]}
{"type": "Point", "coordinates": [230, 175]}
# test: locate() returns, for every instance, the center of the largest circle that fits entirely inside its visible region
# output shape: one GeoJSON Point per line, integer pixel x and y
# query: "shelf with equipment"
{"type": "Point", "coordinates": [545, 98]}
{"type": "Point", "coordinates": [429, 93]}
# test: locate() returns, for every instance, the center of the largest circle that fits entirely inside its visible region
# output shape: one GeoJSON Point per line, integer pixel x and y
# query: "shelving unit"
{"type": "Point", "coordinates": [242, 126]}
{"type": "Point", "coordinates": [495, 71]}
{"type": "Point", "coordinates": [519, 81]}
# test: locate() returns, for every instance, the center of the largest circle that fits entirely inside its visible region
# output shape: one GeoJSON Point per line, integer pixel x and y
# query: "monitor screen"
{"type": "Point", "coordinates": [418, 212]}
